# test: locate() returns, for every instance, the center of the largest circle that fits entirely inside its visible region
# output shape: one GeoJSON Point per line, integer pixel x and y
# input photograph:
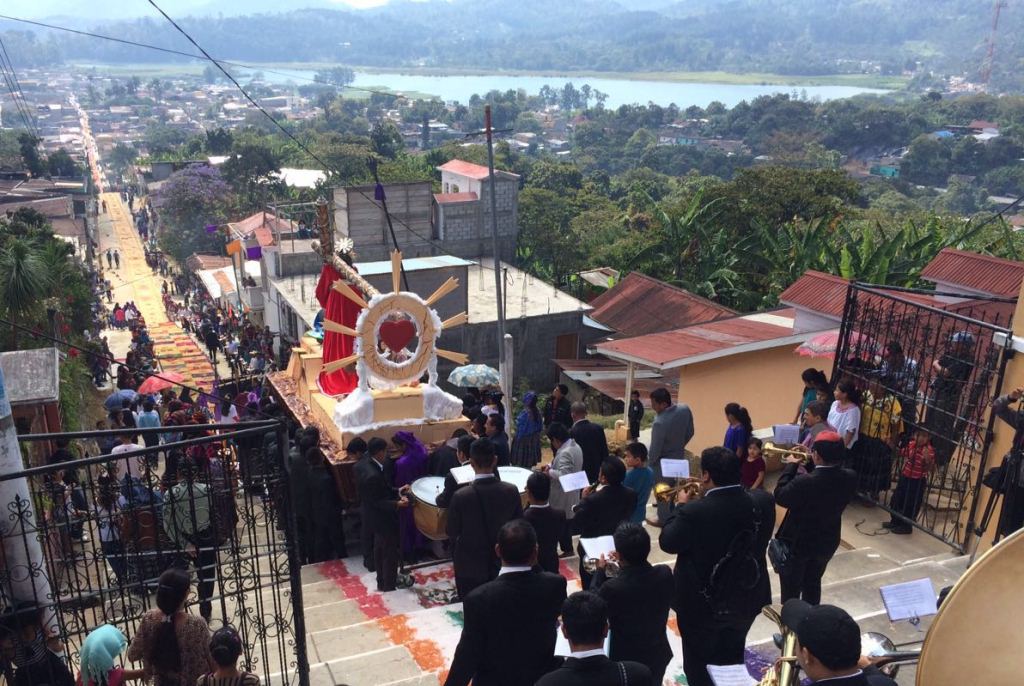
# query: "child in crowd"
{"type": "Point", "coordinates": [109, 503]}
{"type": "Point", "coordinates": [226, 648]}
{"type": "Point", "coordinates": [548, 522]}
{"type": "Point", "coordinates": [639, 477]}
{"type": "Point", "coordinates": [101, 648]}
{"type": "Point", "coordinates": [753, 468]}
{"type": "Point", "coordinates": [918, 460]}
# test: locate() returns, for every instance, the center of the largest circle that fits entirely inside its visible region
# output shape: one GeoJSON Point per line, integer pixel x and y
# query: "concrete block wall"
{"type": "Point", "coordinates": [360, 217]}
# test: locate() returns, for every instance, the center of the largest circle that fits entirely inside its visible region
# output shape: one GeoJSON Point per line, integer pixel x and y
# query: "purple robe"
{"type": "Point", "coordinates": [410, 466]}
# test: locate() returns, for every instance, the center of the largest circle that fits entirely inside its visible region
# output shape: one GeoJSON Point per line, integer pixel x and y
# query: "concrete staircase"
{"type": "Point", "coordinates": [358, 637]}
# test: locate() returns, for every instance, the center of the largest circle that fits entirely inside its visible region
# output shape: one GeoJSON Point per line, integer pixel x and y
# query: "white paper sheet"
{"type": "Point", "coordinates": [909, 599]}
{"type": "Point", "coordinates": [787, 433]}
{"type": "Point", "coordinates": [730, 675]}
{"type": "Point", "coordinates": [574, 481]}
{"type": "Point", "coordinates": [463, 474]}
{"type": "Point", "coordinates": [596, 547]}
{"type": "Point", "coordinates": [562, 648]}
{"type": "Point", "coordinates": [675, 469]}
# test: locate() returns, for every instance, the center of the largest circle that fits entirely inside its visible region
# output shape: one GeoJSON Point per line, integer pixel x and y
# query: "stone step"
{"type": "Point", "coordinates": [393, 664]}
{"type": "Point", "coordinates": [425, 679]}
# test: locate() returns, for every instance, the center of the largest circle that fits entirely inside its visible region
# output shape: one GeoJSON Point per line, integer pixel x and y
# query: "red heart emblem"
{"type": "Point", "coordinates": [397, 334]}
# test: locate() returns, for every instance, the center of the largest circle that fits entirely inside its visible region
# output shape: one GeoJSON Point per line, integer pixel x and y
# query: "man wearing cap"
{"type": "Point", "coordinates": [828, 644]}
{"type": "Point", "coordinates": [814, 502]}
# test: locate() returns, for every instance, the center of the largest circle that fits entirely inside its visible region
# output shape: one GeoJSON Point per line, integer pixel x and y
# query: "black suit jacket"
{"type": "Point", "coordinates": [815, 504]}
{"type": "Point", "coordinates": [601, 512]}
{"type": "Point", "coordinates": [379, 501]}
{"type": "Point", "coordinates": [442, 460]}
{"type": "Point", "coordinates": [597, 671]}
{"type": "Point", "coordinates": [700, 534]}
{"type": "Point", "coordinates": [591, 440]}
{"type": "Point", "coordinates": [638, 603]}
{"type": "Point", "coordinates": [475, 514]}
{"type": "Point", "coordinates": [508, 636]}
{"type": "Point", "coordinates": [500, 443]}
{"type": "Point", "coordinates": [549, 524]}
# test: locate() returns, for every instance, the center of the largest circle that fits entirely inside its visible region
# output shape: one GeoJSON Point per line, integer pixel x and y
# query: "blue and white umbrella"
{"type": "Point", "coordinates": [115, 400]}
{"type": "Point", "coordinates": [474, 376]}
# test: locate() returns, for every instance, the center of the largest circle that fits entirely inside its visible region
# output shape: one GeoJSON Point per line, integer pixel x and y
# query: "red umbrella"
{"type": "Point", "coordinates": [825, 344]}
{"type": "Point", "coordinates": [159, 382]}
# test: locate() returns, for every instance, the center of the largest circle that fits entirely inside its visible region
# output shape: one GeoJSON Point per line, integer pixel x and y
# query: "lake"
{"type": "Point", "coordinates": [620, 91]}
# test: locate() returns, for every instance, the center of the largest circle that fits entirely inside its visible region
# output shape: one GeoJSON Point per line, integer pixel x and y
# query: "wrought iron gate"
{"type": "Point", "coordinates": [213, 501]}
{"type": "Point", "coordinates": [927, 363]}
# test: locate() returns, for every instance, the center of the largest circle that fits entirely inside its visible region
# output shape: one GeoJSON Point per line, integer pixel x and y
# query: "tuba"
{"type": "Point", "coordinates": [663, 493]}
{"type": "Point", "coordinates": [784, 672]}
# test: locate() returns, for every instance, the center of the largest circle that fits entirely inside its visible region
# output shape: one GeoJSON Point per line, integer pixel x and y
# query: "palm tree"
{"type": "Point", "coordinates": [24, 281]}
{"type": "Point", "coordinates": [694, 251]}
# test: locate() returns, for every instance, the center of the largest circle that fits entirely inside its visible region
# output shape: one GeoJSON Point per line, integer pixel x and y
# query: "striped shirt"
{"type": "Point", "coordinates": [243, 679]}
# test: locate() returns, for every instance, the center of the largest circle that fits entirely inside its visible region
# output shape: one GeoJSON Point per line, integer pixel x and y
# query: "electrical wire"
{"type": "Point", "coordinates": [14, 87]}
{"type": "Point", "coordinates": [325, 167]}
{"type": "Point", "coordinates": [181, 53]}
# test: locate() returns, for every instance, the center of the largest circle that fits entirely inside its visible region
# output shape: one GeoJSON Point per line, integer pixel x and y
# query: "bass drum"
{"type": "Point", "coordinates": [977, 635]}
{"type": "Point", "coordinates": [431, 520]}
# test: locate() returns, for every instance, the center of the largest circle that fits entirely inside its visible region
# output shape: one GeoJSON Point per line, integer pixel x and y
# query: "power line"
{"type": "Point", "coordinates": [14, 85]}
{"type": "Point", "coordinates": [326, 167]}
{"type": "Point", "coordinates": [181, 53]}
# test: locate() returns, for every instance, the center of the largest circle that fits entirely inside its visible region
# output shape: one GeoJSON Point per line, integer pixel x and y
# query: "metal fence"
{"type": "Point", "coordinates": [927, 365]}
{"type": "Point", "coordinates": [109, 525]}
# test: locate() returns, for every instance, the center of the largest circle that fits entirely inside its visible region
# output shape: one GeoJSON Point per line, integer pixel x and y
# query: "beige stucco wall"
{"type": "Point", "coordinates": [766, 382]}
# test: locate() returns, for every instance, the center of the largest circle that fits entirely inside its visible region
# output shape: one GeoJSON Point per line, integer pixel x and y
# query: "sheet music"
{"type": "Point", "coordinates": [596, 547]}
{"type": "Point", "coordinates": [909, 600]}
{"type": "Point", "coordinates": [787, 433]}
{"type": "Point", "coordinates": [463, 474]}
{"type": "Point", "coordinates": [730, 675]}
{"type": "Point", "coordinates": [562, 648]}
{"type": "Point", "coordinates": [675, 469]}
{"type": "Point", "coordinates": [574, 482]}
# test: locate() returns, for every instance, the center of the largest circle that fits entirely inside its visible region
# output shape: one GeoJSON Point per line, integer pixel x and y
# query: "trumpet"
{"type": "Point", "coordinates": [663, 493]}
{"type": "Point", "coordinates": [770, 448]}
{"type": "Point", "coordinates": [611, 567]}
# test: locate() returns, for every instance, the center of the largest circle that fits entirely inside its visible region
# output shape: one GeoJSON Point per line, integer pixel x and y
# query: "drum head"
{"type": "Point", "coordinates": [516, 476]}
{"type": "Point", "coordinates": [427, 489]}
{"type": "Point", "coordinates": [977, 635]}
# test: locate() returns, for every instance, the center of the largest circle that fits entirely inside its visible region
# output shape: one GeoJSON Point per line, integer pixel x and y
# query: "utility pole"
{"type": "Point", "coordinates": [504, 346]}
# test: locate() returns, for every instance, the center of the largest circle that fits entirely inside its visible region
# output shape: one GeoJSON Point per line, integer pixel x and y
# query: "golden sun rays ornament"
{"type": "Point", "coordinates": [388, 327]}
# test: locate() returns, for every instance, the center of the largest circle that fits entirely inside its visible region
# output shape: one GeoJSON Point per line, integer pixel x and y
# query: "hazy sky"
{"type": "Point", "coordinates": [103, 9]}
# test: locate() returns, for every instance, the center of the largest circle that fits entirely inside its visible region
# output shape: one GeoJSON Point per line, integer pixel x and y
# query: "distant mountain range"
{"type": "Point", "coordinates": [804, 37]}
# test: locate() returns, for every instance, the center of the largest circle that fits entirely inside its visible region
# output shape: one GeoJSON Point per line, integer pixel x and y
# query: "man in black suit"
{"type": "Point", "coordinates": [585, 626]}
{"type": "Point", "coordinates": [591, 440]}
{"type": "Point", "coordinates": [638, 602]}
{"type": "Point", "coordinates": [475, 515]}
{"type": "Point", "coordinates": [601, 511]}
{"type": "Point", "coordinates": [556, 409]}
{"type": "Point", "coordinates": [828, 642]}
{"type": "Point", "coordinates": [814, 517]}
{"type": "Point", "coordinates": [381, 503]}
{"type": "Point", "coordinates": [444, 457]}
{"type": "Point", "coordinates": [356, 450]}
{"type": "Point", "coordinates": [727, 532]}
{"type": "Point", "coordinates": [548, 522]}
{"type": "Point", "coordinates": [444, 498]}
{"type": "Point", "coordinates": [636, 415]}
{"type": "Point", "coordinates": [495, 430]}
{"type": "Point", "coordinates": [508, 636]}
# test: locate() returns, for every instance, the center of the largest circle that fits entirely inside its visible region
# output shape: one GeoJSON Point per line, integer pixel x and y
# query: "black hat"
{"type": "Point", "coordinates": [828, 632]}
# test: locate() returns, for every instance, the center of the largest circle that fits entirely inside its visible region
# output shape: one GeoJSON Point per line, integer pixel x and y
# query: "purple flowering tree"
{"type": "Point", "coordinates": [187, 202]}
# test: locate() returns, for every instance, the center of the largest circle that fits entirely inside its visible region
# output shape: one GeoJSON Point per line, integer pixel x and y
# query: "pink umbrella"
{"type": "Point", "coordinates": [158, 382]}
{"type": "Point", "coordinates": [825, 344]}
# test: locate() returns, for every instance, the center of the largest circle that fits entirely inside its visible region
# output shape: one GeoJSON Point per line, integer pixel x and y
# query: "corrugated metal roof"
{"type": "Point", "coordinates": [692, 344]}
{"type": "Point", "coordinates": [262, 225]}
{"type": "Point", "coordinates": [640, 304]}
{"type": "Point", "coordinates": [975, 272]}
{"type": "Point", "coordinates": [473, 171]}
{"type": "Point", "coordinates": [608, 377]}
{"type": "Point", "coordinates": [818, 292]}
{"type": "Point", "coordinates": [197, 262]}
{"type": "Point", "coordinates": [413, 264]}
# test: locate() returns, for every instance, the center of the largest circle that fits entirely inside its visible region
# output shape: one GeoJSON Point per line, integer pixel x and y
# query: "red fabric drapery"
{"type": "Point", "coordinates": [340, 309]}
